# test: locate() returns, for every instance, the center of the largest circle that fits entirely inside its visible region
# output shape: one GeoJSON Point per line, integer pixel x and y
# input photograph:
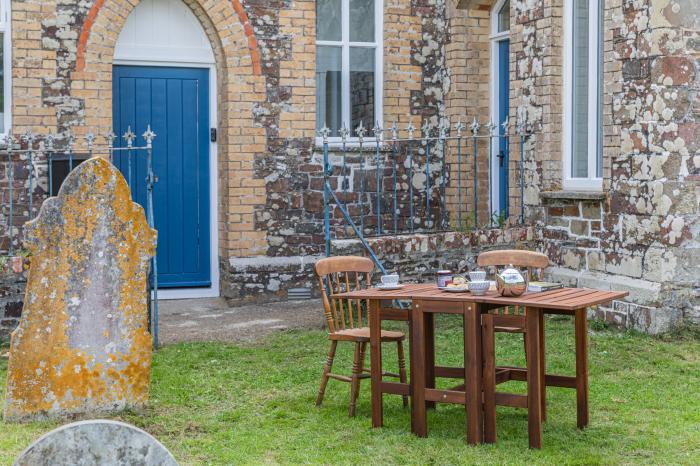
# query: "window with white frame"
{"type": "Point", "coordinates": [5, 66]}
{"type": "Point", "coordinates": [583, 95]}
{"type": "Point", "coordinates": [348, 64]}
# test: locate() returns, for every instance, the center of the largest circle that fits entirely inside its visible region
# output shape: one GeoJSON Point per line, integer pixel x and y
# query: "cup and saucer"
{"type": "Point", "coordinates": [390, 282]}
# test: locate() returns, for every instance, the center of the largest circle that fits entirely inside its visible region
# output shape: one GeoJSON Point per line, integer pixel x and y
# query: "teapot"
{"type": "Point", "coordinates": [510, 282]}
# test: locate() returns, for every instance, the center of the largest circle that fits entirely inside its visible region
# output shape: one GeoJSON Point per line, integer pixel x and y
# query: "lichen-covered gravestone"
{"type": "Point", "coordinates": [96, 443]}
{"type": "Point", "coordinates": [82, 346]}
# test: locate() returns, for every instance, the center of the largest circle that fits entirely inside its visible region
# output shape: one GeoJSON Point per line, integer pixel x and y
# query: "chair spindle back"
{"type": "Point", "coordinates": [343, 274]}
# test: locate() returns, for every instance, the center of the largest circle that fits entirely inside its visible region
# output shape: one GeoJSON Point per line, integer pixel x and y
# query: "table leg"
{"type": "Point", "coordinates": [375, 343]}
{"type": "Point", "coordinates": [420, 423]}
{"type": "Point", "coordinates": [429, 354]}
{"type": "Point", "coordinates": [534, 378]}
{"type": "Point", "coordinates": [473, 373]}
{"type": "Point", "coordinates": [543, 367]}
{"type": "Point", "coordinates": [581, 368]}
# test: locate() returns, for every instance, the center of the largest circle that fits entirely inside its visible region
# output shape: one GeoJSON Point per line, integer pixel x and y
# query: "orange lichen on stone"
{"type": "Point", "coordinates": [83, 344]}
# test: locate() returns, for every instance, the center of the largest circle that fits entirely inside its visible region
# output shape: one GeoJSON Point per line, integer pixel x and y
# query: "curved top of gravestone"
{"type": "Point", "coordinates": [96, 443]}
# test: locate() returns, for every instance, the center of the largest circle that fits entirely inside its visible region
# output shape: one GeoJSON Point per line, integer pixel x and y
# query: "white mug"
{"type": "Point", "coordinates": [390, 279]}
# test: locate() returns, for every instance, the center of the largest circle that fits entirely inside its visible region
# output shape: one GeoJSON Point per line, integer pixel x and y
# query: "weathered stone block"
{"type": "Point", "coordinates": [83, 344]}
{"type": "Point", "coordinates": [108, 443]}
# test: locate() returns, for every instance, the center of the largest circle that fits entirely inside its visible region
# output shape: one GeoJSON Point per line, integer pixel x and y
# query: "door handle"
{"type": "Point", "coordinates": [501, 156]}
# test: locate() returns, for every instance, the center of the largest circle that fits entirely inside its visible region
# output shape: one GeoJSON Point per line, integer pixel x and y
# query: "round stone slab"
{"type": "Point", "coordinates": [93, 443]}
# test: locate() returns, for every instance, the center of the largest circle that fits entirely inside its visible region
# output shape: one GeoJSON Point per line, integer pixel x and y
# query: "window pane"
{"type": "Point", "coordinates": [504, 17]}
{"type": "Point", "coordinates": [361, 86]}
{"type": "Point", "coordinates": [328, 14]}
{"type": "Point", "coordinates": [579, 156]}
{"type": "Point", "coordinates": [328, 88]}
{"type": "Point", "coordinates": [362, 20]}
{"type": "Point", "coordinates": [2, 83]}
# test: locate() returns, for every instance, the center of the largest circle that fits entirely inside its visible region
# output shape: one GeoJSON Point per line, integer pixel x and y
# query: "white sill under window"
{"type": "Point", "coordinates": [583, 184]}
{"type": "Point", "coordinates": [350, 143]}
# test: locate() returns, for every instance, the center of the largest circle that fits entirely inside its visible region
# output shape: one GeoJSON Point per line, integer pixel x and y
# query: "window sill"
{"type": "Point", "coordinates": [573, 195]}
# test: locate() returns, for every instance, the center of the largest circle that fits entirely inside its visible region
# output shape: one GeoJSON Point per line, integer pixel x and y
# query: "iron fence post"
{"type": "Point", "coordinates": [459, 128]}
{"type": "Point", "coordinates": [522, 175]}
{"type": "Point", "coordinates": [394, 136]}
{"type": "Point", "coordinates": [378, 132]}
{"type": "Point", "coordinates": [29, 139]}
{"type": "Point", "coordinates": [10, 141]}
{"type": "Point", "coordinates": [475, 131]}
{"type": "Point", "coordinates": [411, 130]}
{"type": "Point", "coordinates": [360, 131]}
{"type": "Point", "coordinates": [129, 137]}
{"type": "Point", "coordinates": [426, 135]}
{"type": "Point", "coordinates": [324, 132]}
{"type": "Point", "coordinates": [443, 176]}
{"type": "Point", "coordinates": [49, 160]}
{"type": "Point", "coordinates": [151, 180]}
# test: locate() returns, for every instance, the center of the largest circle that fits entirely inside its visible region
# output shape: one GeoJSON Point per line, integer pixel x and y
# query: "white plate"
{"type": "Point", "coordinates": [389, 287]}
{"type": "Point", "coordinates": [456, 290]}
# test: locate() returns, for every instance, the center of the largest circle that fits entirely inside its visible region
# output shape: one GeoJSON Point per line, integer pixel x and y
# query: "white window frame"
{"type": "Point", "coordinates": [593, 182]}
{"type": "Point", "coordinates": [495, 38]}
{"type": "Point", "coordinates": [6, 29]}
{"type": "Point", "coordinates": [345, 43]}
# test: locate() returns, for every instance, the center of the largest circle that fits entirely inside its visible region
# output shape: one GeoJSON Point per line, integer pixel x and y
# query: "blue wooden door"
{"type": "Point", "coordinates": [175, 102]}
{"type": "Point", "coordinates": [503, 110]}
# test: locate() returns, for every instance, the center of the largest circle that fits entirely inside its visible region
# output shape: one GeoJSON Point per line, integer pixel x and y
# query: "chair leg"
{"type": "Point", "coordinates": [326, 370]}
{"type": "Point", "coordinates": [402, 369]}
{"type": "Point", "coordinates": [488, 343]}
{"type": "Point", "coordinates": [356, 372]}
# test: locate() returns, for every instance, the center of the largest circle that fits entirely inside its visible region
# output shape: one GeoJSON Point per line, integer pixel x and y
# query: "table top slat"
{"type": "Point", "coordinates": [568, 299]}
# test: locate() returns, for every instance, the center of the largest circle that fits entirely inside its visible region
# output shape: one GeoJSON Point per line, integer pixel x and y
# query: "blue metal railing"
{"type": "Point", "coordinates": [37, 157]}
{"type": "Point", "coordinates": [411, 179]}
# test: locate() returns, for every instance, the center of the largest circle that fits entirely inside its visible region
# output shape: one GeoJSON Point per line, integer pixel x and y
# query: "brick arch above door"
{"type": "Point", "coordinates": [239, 91]}
{"type": "Point", "coordinates": [237, 7]}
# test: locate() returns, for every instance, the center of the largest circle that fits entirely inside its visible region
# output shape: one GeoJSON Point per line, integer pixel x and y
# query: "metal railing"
{"type": "Point", "coordinates": [30, 165]}
{"type": "Point", "coordinates": [427, 184]}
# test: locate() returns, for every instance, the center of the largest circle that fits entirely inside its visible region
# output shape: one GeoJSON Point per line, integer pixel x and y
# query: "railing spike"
{"type": "Point", "coordinates": [394, 131]}
{"type": "Point", "coordinates": [90, 140]}
{"type": "Point", "coordinates": [344, 133]}
{"type": "Point", "coordinates": [50, 139]}
{"type": "Point", "coordinates": [110, 137]}
{"type": "Point", "coordinates": [505, 125]}
{"type": "Point", "coordinates": [360, 131]}
{"type": "Point", "coordinates": [129, 137]}
{"type": "Point", "coordinates": [459, 127]}
{"type": "Point", "coordinates": [378, 132]}
{"type": "Point", "coordinates": [411, 129]}
{"type": "Point", "coordinates": [149, 136]}
{"type": "Point", "coordinates": [324, 132]}
{"type": "Point", "coordinates": [29, 138]}
{"type": "Point", "coordinates": [475, 126]}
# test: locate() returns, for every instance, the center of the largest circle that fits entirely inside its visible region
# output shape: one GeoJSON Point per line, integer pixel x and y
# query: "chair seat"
{"type": "Point", "coordinates": [362, 334]}
{"type": "Point", "coordinates": [504, 329]}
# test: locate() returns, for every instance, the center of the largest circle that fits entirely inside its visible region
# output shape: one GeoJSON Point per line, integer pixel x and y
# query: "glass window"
{"type": "Point", "coordinates": [504, 17]}
{"type": "Point", "coordinates": [583, 147]}
{"type": "Point", "coordinates": [348, 53]}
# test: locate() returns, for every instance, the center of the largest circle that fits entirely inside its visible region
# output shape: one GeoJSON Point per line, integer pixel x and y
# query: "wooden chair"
{"type": "Point", "coordinates": [346, 321]}
{"type": "Point", "coordinates": [509, 320]}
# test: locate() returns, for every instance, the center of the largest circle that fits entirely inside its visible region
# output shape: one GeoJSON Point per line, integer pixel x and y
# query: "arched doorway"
{"type": "Point", "coordinates": [164, 75]}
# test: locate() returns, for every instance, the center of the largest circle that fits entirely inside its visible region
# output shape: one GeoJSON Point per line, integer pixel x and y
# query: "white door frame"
{"type": "Point", "coordinates": [212, 291]}
{"type": "Point", "coordinates": [495, 39]}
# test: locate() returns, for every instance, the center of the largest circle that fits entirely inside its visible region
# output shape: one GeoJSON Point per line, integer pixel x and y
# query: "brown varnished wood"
{"type": "Point", "coordinates": [581, 325]}
{"type": "Point", "coordinates": [347, 320]}
{"type": "Point", "coordinates": [445, 396]}
{"type": "Point", "coordinates": [473, 373]}
{"type": "Point", "coordinates": [516, 257]}
{"type": "Point", "coordinates": [420, 425]}
{"type": "Point", "coordinates": [534, 379]}
{"type": "Point", "coordinates": [489, 377]}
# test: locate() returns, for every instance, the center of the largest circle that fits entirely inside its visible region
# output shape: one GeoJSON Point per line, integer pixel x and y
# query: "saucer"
{"type": "Point", "coordinates": [390, 287]}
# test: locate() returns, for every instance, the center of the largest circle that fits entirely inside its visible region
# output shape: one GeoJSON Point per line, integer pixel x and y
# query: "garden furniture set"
{"type": "Point", "coordinates": [348, 296]}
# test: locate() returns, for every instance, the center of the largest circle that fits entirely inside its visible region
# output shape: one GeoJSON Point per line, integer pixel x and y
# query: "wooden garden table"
{"type": "Point", "coordinates": [428, 300]}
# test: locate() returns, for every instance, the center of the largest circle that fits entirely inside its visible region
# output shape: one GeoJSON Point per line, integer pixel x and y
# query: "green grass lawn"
{"type": "Point", "coordinates": [225, 404]}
